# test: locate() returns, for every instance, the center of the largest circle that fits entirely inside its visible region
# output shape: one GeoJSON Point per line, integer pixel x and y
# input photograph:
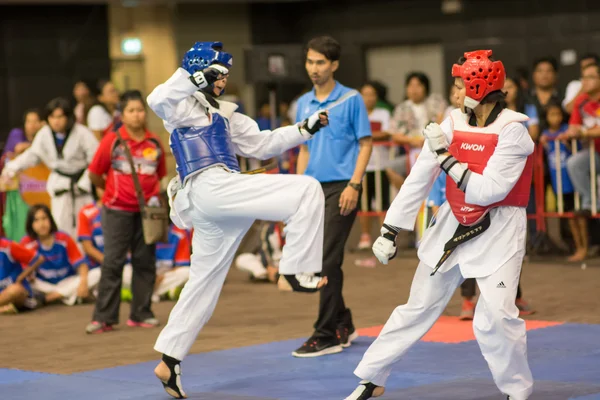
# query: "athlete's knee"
{"type": "Point", "coordinates": [314, 190]}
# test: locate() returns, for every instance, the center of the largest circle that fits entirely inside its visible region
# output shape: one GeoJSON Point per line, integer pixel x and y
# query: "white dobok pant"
{"type": "Point", "coordinates": [224, 206]}
{"type": "Point", "coordinates": [68, 286]}
{"type": "Point", "coordinates": [498, 329]}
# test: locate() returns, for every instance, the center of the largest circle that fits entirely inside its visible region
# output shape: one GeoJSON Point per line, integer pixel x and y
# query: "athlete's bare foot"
{"type": "Point", "coordinates": [272, 273]}
{"type": "Point", "coordinates": [579, 255]}
{"type": "Point", "coordinates": [171, 379]}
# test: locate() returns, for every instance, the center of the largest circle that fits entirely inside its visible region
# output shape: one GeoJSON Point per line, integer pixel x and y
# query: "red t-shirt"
{"type": "Point", "coordinates": [110, 159]}
{"type": "Point", "coordinates": [586, 112]}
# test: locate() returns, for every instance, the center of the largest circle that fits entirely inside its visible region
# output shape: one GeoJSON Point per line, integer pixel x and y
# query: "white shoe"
{"type": "Point", "coordinates": [252, 264]}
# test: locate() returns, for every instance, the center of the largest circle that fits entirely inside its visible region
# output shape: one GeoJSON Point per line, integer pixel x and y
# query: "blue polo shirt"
{"type": "Point", "coordinates": [334, 149]}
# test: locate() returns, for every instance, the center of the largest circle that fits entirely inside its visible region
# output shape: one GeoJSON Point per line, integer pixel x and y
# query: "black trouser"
{"type": "Point", "coordinates": [122, 232]}
{"type": "Point", "coordinates": [469, 288]}
{"type": "Point", "coordinates": [332, 310]}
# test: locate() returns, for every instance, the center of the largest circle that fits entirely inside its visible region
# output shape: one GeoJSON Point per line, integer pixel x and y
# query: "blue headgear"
{"type": "Point", "coordinates": [204, 54]}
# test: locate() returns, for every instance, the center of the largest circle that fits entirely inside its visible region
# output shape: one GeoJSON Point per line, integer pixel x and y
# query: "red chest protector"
{"type": "Point", "coordinates": [474, 146]}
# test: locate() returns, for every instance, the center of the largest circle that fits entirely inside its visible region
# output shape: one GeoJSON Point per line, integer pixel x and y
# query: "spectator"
{"type": "Point", "coordinates": [66, 148]}
{"type": "Point", "coordinates": [556, 128]}
{"type": "Point", "coordinates": [172, 266]}
{"type": "Point", "coordinates": [104, 114]}
{"type": "Point", "coordinates": [64, 275]}
{"type": "Point", "coordinates": [382, 100]}
{"type": "Point", "coordinates": [14, 286]}
{"type": "Point", "coordinates": [264, 118]}
{"type": "Point", "coordinates": [523, 78]}
{"type": "Point", "coordinates": [452, 100]}
{"type": "Point", "coordinates": [337, 157]}
{"type": "Point", "coordinates": [585, 124]}
{"type": "Point", "coordinates": [121, 219]}
{"type": "Point", "coordinates": [83, 100]}
{"type": "Point", "coordinates": [408, 121]}
{"type": "Point", "coordinates": [89, 231]}
{"type": "Point", "coordinates": [545, 72]}
{"type": "Point", "coordinates": [516, 101]}
{"type": "Point", "coordinates": [19, 139]}
{"type": "Point", "coordinates": [263, 263]}
{"type": "Point", "coordinates": [380, 124]}
{"type": "Point", "coordinates": [574, 88]}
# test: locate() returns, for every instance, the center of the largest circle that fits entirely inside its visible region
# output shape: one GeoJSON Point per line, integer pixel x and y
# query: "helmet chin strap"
{"type": "Point", "coordinates": [210, 96]}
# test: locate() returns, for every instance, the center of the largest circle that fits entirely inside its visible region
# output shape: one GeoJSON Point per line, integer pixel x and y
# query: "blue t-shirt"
{"type": "Point", "coordinates": [565, 153]}
{"type": "Point", "coordinates": [13, 258]}
{"type": "Point", "coordinates": [532, 113]}
{"type": "Point", "coordinates": [334, 148]}
{"type": "Point", "coordinates": [62, 259]}
{"type": "Point", "coordinates": [437, 196]}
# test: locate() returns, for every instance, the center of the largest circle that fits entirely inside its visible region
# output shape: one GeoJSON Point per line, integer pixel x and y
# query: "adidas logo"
{"type": "Point", "coordinates": [501, 285]}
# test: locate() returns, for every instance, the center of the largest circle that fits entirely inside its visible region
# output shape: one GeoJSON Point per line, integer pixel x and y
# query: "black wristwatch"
{"type": "Point", "coordinates": [355, 186]}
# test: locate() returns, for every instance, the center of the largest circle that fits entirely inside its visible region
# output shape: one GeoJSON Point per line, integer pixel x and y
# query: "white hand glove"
{"type": "Point", "coordinates": [315, 122]}
{"type": "Point", "coordinates": [436, 139]}
{"type": "Point", "coordinates": [209, 75]}
{"type": "Point", "coordinates": [384, 247]}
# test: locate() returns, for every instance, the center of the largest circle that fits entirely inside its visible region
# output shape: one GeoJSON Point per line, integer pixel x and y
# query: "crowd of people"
{"type": "Point", "coordinates": [93, 219]}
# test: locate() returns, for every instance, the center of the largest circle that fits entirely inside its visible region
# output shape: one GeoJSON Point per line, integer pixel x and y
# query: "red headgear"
{"type": "Point", "coordinates": [480, 76]}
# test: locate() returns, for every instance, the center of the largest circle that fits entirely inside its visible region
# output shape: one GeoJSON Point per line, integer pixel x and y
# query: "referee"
{"type": "Point", "coordinates": [337, 158]}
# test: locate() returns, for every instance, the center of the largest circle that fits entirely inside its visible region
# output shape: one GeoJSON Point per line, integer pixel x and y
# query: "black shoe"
{"type": "Point", "coordinates": [346, 335]}
{"type": "Point", "coordinates": [364, 391]}
{"type": "Point", "coordinates": [315, 347]}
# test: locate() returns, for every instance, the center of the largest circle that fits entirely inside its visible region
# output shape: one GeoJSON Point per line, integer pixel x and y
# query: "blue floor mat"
{"type": "Point", "coordinates": [565, 361]}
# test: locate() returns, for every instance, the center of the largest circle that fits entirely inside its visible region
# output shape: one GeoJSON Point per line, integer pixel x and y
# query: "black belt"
{"type": "Point", "coordinates": [74, 177]}
{"type": "Point", "coordinates": [462, 234]}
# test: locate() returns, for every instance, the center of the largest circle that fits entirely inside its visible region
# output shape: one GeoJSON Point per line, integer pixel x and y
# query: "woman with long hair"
{"type": "Point", "coordinates": [64, 275]}
{"type": "Point", "coordinates": [66, 148]}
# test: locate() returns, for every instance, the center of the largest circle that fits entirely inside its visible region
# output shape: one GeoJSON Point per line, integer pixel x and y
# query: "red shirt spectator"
{"type": "Point", "coordinates": [110, 159]}
{"type": "Point", "coordinates": [586, 113]}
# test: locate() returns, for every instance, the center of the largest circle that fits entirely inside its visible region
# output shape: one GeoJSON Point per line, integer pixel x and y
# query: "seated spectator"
{"type": "Point", "coordinates": [19, 139]}
{"type": "Point", "coordinates": [172, 266]}
{"type": "Point", "coordinates": [14, 286]}
{"type": "Point", "coordinates": [64, 275]}
{"type": "Point", "coordinates": [89, 231]}
{"type": "Point", "coordinates": [556, 128]}
{"type": "Point", "coordinates": [104, 113]}
{"type": "Point", "coordinates": [264, 262]}
{"type": "Point", "coordinates": [585, 124]}
{"type": "Point", "coordinates": [121, 217]}
{"type": "Point", "coordinates": [574, 88]}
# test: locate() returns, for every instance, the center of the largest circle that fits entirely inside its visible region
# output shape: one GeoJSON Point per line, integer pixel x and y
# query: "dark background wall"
{"type": "Point", "coordinates": [517, 30]}
{"type": "Point", "coordinates": [43, 50]}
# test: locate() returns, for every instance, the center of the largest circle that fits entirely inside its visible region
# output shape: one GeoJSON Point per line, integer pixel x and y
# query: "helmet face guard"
{"type": "Point", "coordinates": [480, 75]}
{"type": "Point", "coordinates": [202, 55]}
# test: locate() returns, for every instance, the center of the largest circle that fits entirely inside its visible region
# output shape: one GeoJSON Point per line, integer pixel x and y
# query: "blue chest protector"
{"type": "Point", "coordinates": [197, 148]}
